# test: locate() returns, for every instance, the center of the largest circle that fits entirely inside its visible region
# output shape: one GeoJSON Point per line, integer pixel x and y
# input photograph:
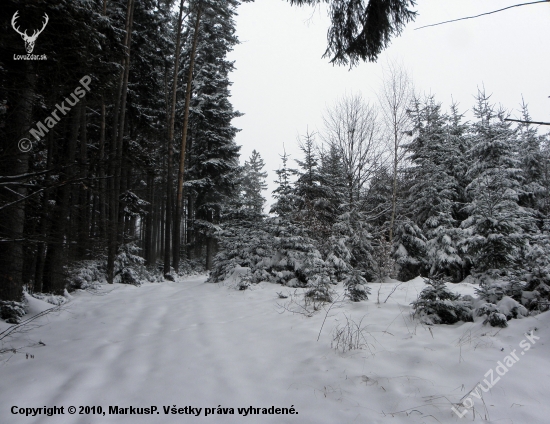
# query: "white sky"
{"type": "Point", "coordinates": [283, 85]}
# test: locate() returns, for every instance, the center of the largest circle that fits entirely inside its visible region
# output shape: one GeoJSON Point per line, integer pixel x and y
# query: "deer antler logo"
{"type": "Point", "coordinates": [29, 40]}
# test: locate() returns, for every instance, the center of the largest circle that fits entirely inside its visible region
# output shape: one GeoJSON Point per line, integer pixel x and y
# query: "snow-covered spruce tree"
{"type": "Point", "coordinates": [532, 163]}
{"type": "Point", "coordinates": [212, 152]}
{"type": "Point", "coordinates": [535, 294]}
{"type": "Point", "coordinates": [348, 253]}
{"type": "Point", "coordinates": [445, 252]}
{"type": "Point", "coordinates": [244, 238]}
{"type": "Point", "coordinates": [336, 226]}
{"type": "Point", "coordinates": [296, 261]}
{"type": "Point", "coordinates": [433, 195]}
{"type": "Point", "coordinates": [544, 181]}
{"type": "Point", "coordinates": [244, 241]}
{"type": "Point", "coordinates": [436, 304]}
{"type": "Point", "coordinates": [346, 166]}
{"type": "Point", "coordinates": [430, 153]}
{"type": "Point", "coordinates": [331, 170]}
{"type": "Point", "coordinates": [458, 166]}
{"type": "Point", "coordinates": [410, 250]}
{"type": "Point", "coordinates": [355, 229]}
{"type": "Point", "coordinates": [129, 266]}
{"type": "Point", "coordinates": [285, 201]}
{"type": "Point", "coordinates": [497, 226]}
{"type": "Point", "coordinates": [253, 183]}
{"type": "Point", "coordinates": [312, 196]}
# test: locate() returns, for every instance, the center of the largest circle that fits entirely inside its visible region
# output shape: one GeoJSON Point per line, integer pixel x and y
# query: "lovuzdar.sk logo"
{"type": "Point", "coordinates": [29, 40]}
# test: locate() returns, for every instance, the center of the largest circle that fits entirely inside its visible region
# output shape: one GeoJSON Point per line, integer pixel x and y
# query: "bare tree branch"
{"type": "Point", "coordinates": [527, 122]}
{"type": "Point", "coordinates": [483, 14]}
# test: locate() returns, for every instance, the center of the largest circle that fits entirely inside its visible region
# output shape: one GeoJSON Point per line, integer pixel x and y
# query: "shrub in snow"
{"type": "Point", "coordinates": [504, 310]}
{"type": "Point", "coordinates": [239, 278]}
{"type": "Point", "coordinates": [243, 244]}
{"type": "Point", "coordinates": [511, 308]}
{"type": "Point", "coordinates": [356, 287]}
{"type": "Point", "coordinates": [12, 311]}
{"type": "Point", "coordinates": [86, 274]}
{"type": "Point", "coordinates": [493, 315]}
{"type": "Point", "coordinates": [501, 300]}
{"type": "Point", "coordinates": [436, 304]}
{"type": "Point", "coordinates": [318, 288]}
{"type": "Point", "coordinates": [536, 293]}
{"type": "Point", "coordinates": [491, 291]}
{"type": "Point", "coordinates": [515, 289]}
{"type": "Point", "coordinates": [537, 300]}
{"type": "Point", "coordinates": [496, 320]}
{"type": "Point", "coordinates": [129, 276]}
{"type": "Point", "coordinates": [189, 267]}
{"type": "Point", "coordinates": [129, 266]}
{"type": "Point", "coordinates": [52, 298]}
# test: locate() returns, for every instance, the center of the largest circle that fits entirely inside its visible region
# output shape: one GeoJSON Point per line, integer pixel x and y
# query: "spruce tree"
{"type": "Point", "coordinates": [210, 178]}
{"type": "Point", "coordinates": [253, 183]}
{"type": "Point", "coordinates": [497, 225]}
{"type": "Point", "coordinates": [433, 194]}
{"type": "Point", "coordinates": [284, 205]}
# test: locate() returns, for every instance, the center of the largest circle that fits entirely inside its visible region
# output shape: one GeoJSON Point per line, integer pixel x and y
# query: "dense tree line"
{"type": "Point", "coordinates": [399, 188]}
{"type": "Point", "coordinates": [101, 181]}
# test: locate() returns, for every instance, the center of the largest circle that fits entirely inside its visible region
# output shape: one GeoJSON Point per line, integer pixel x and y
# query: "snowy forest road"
{"type": "Point", "coordinates": [184, 344]}
{"type": "Point", "coordinates": [194, 344]}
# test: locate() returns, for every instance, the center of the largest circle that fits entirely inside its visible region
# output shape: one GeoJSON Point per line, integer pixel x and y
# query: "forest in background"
{"type": "Point", "coordinates": [102, 180]}
{"type": "Point", "coordinates": [139, 178]}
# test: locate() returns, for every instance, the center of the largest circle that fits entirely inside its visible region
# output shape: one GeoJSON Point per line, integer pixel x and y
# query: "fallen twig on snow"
{"type": "Point", "coordinates": [18, 327]}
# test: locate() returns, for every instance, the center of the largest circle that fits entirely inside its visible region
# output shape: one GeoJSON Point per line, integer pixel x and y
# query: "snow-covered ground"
{"type": "Point", "coordinates": [193, 344]}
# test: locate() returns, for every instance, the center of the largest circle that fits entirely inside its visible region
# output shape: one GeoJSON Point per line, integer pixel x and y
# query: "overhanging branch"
{"type": "Point", "coordinates": [483, 14]}
{"type": "Point", "coordinates": [527, 122]}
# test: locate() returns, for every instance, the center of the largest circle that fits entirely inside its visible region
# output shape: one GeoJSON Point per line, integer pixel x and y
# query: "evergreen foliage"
{"type": "Point", "coordinates": [436, 304]}
{"type": "Point", "coordinates": [361, 29]}
{"type": "Point", "coordinates": [410, 250]}
{"type": "Point", "coordinates": [210, 178]}
{"type": "Point", "coordinates": [497, 225]}
{"type": "Point", "coordinates": [253, 183]}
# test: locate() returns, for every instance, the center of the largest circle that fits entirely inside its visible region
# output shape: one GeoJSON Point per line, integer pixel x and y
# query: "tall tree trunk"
{"type": "Point", "coordinates": [118, 137]}
{"type": "Point", "coordinates": [45, 222]}
{"type": "Point", "coordinates": [179, 199]}
{"type": "Point", "coordinates": [148, 230]}
{"type": "Point", "coordinates": [16, 162]}
{"type": "Point", "coordinates": [102, 227]}
{"type": "Point", "coordinates": [161, 226]}
{"type": "Point", "coordinates": [54, 281]}
{"type": "Point", "coordinates": [190, 226]}
{"type": "Point", "coordinates": [171, 124]}
{"type": "Point", "coordinates": [83, 209]}
{"type": "Point", "coordinates": [395, 99]}
{"type": "Point", "coordinates": [394, 183]}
